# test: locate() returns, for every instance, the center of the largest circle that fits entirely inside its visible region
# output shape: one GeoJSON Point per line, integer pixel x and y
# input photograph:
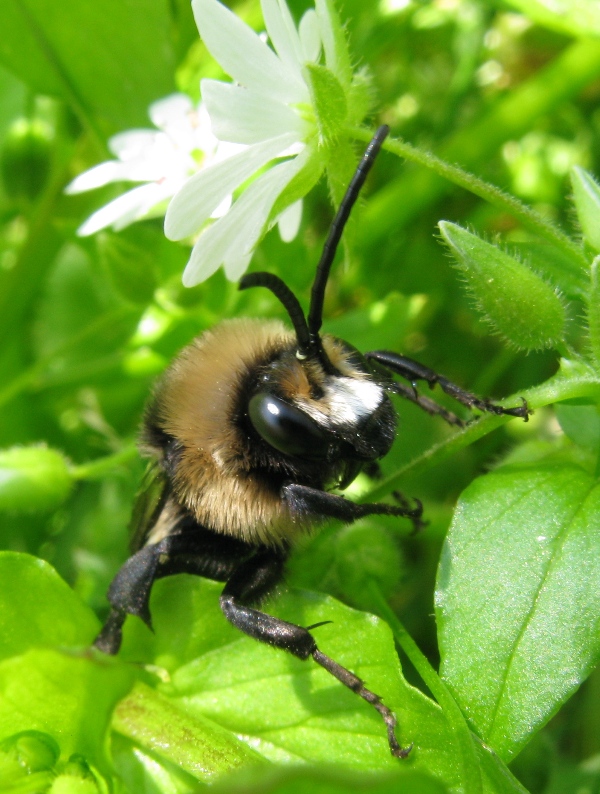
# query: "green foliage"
{"type": "Point", "coordinates": [517, 599]}
{"type": "Point", "coordinates": [506, 98]}
{"type": "Point", "coordinates": [33, 479]}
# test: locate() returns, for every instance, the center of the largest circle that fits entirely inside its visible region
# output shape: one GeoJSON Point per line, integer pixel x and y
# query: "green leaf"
{"type": "Point", "coordinates": [517, 303]}
{"type": "Point", "coordinates": [581, 423]}
{"type": "Point", "coordinates": [328, 99]}
{"type": "Point", "coordinates": [335, 45]}
{"type": "Point", "coordinates": [97, 56]}
{"type": "Point", "coordinates": [586, 195]}
{"type": "Point", "coordinates": [69, 697]}
{"type": "Point", "coordinates": [573, 17]}
{"type": "Point", "coordinates": [33, 479]}
{"type": "Point", "coordinates": [518, 598]}
{"type": "Point", "coordinates": [289, 710]}
{"type": "Point", "coordinates": [37, 608]}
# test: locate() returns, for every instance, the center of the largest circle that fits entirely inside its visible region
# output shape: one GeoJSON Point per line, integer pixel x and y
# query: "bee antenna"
{"type": "Point", "coordinates": [280, 289]}
{"type": "Point", "coordinates": [335, 232]}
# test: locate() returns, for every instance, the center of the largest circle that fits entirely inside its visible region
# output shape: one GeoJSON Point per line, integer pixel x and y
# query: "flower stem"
{"type": "Point", "coordinates": [574, 379]}
{"type": "Point", "coordinates": [98, 469]}
{"type": "Point", "coordinates": [531, 219]}
{"type": "Point", "coordinates": [509, 118]}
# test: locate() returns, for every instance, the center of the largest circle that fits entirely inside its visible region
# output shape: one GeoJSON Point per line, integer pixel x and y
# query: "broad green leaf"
{"type": "Point", "coordinates": [97, 56]}
{"type": "Point", "coordinates": [38, 609]}
{"type": "Point", "coordinates": [33, 479]}
{"type": "Point", "coordinates": [517, 303]}
{"type": "Point", "coordinates": [288, 710]}
{"type": "Point", "coordinates": [581, 423]}
{"type": "Point", "coordinates": [586, 195]}
{"type": "Point", "coordinates": [68, 696]}
{"type": "Point", "coordinates": [518, 598]}
{"type": "Point", "coordinates": [573, 17]}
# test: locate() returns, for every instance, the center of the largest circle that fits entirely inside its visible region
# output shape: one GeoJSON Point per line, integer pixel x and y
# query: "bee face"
{"type": "Point", "coordinates": [305, 411]}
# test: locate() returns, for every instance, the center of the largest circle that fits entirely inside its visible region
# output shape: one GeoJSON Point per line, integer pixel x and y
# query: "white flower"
{"type": "Point", "coordinates": [274, 107]}
{"type": "Point", "coordinates": [162, 159]}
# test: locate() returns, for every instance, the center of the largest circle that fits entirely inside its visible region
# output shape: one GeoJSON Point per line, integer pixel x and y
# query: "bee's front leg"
{"type": "Point", "coordinates": [311, 502]}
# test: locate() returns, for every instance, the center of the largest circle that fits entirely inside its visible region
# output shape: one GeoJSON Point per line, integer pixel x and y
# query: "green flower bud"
{"type": "Point", "coordinates": [517, 303]}
{"type": "Point", "coordinates": [33, 479]}
{"type": "Point", "coordinates": [25, 159]}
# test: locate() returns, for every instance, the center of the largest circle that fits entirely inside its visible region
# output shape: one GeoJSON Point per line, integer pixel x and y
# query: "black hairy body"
{"type": "Point", "coordinates": [249, 431]}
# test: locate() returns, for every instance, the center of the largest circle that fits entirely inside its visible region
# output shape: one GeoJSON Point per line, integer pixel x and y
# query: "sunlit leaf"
{"type": "Point", "coordinates": [38, 609]}
{"type": "Point", "coordinates": [518, 598]}
{"type": "Point", "coordinates": [95, 55]}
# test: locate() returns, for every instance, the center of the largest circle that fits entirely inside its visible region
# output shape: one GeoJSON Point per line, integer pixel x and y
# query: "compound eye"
{"type": "Point", "coordinates": [286, 428]}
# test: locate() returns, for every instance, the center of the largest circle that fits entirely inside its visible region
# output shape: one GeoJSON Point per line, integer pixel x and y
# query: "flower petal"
{"type": "Point", "coordinates": [242, 115]}
{"type": "Point", "coordinates": [123, 210]}
{"type": "Point", "coordinates": [282, 32]}
{"type": "Point", "coordinates": [129, 144]}
{"type": "Point", "coordinates": [231, 239]}
{"type": "Point", "coordinates": [204, 191]}
{"type": "Point", "coordinates": [289, 221]}
{"type": "Point", "coordinates": [337, 57]}
{"type": "Point", "coordinates": [242, 54]}
{"type": "Point", "coordinates": [98, 176]}
{"type": "Point", "coordinates": [171, 110]}
{"type": "Point", "coordinates": [310, 36]}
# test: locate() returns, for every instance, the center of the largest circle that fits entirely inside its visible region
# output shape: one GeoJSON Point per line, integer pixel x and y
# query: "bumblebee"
{"type": "Point", "coordinates": [248, 431]}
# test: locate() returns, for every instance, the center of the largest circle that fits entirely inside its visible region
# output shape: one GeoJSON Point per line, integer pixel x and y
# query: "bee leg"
{"type": "Point", "coordinates": [306, 501]}
{"type": "Point", "coordinates": [425, 403]}
{"type": "Point", "coordinates": [412, 370]}
{"type": "Point", "coordinates": [129, 593]}
{"type": "Point", "coordinates": [252, 581]}
{"type": "Point", "coordinates": [197, 551]}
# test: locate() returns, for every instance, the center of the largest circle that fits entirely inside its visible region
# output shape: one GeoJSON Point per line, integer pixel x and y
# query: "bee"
{"type": "Point", "coordinates": [248, 431]}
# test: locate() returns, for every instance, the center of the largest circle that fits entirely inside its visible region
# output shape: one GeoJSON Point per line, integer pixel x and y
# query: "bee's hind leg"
{"type": "Point", "coordinates": [251, 582]}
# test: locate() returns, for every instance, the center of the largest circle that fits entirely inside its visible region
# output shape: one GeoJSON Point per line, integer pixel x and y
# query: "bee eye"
{"type": "Point", "coordinates": [287, 428]}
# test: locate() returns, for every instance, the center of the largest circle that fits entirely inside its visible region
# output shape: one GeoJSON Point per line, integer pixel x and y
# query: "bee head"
{"type": "Point", "coordinates": [318, 402]}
